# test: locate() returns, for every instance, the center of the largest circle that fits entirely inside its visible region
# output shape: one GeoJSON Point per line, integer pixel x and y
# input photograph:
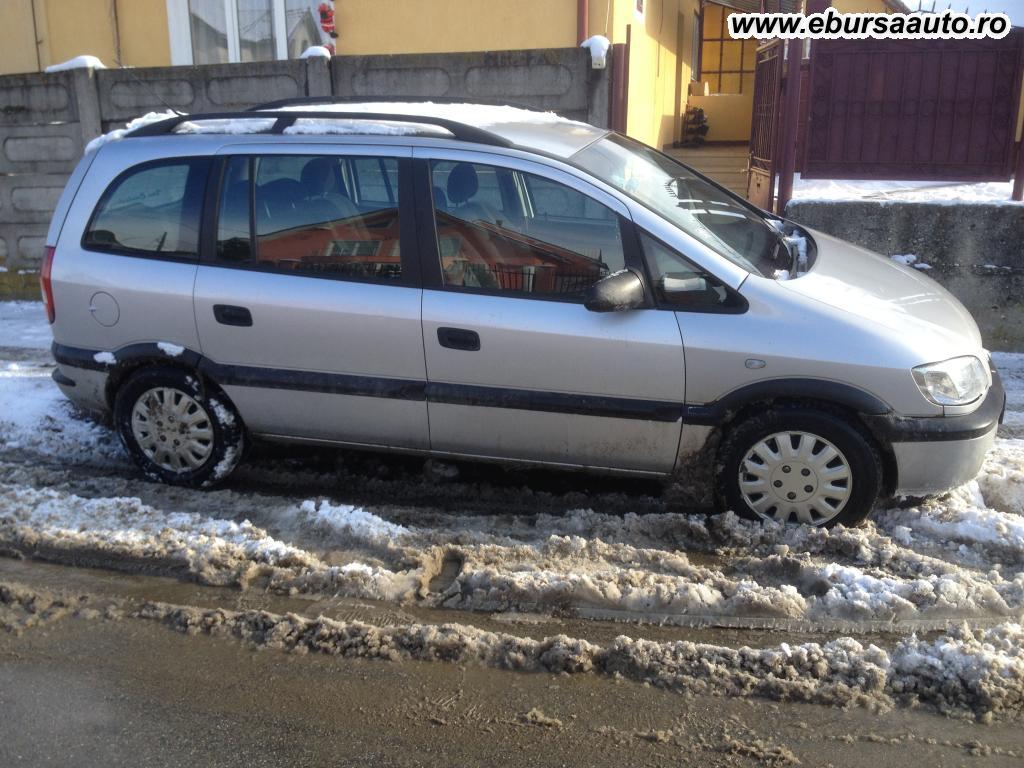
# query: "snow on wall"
{"type": "Point", "coordinates": [78, 62]}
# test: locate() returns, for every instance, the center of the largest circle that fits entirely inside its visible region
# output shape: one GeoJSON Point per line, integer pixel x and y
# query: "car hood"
{"type": "Point", "coordinates": [889, 294]}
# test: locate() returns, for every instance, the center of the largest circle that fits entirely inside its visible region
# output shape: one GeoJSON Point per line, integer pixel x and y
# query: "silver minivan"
{"type": "Point", "coordinates": [505, 285]}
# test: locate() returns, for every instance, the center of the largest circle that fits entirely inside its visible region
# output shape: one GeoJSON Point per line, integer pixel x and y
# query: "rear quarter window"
{"type": "Point", "coordinates": [152, 209]}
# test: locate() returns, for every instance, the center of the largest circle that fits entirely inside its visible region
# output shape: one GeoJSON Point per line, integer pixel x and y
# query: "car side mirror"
{"type": "Point", "coordinates": [618, 292]}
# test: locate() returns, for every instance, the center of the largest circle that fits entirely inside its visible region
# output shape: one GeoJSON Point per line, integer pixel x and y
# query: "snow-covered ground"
{"type": "Point", "coordinates": [943, 192]}
{"type": "Point", "coordinates": [953, 564]}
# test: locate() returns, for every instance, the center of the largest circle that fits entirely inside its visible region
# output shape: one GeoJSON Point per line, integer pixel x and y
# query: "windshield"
{"type": "Point", "coordinates": [697, 207]}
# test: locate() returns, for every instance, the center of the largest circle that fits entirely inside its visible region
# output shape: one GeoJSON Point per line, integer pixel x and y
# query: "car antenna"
{"type": "Point", "coordinates": [147, 86]}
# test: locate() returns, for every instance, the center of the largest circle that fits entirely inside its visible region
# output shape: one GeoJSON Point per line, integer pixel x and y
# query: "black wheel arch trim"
{"type": "Point", "coordinates": [719, 411]}
{"type": "Point", "coordinates": [78, 357]}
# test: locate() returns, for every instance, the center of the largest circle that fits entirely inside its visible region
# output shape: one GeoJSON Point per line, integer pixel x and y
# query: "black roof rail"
{"type": "Point", "coordinates": [300, 101]}
{"type": "Point", "coordinates": [282, 120]}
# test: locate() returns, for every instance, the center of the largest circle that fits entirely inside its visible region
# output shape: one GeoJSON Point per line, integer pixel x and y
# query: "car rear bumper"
{"type": "Point", "coordinates": [935, 454]}
{"type": "Point", "coordinates": [85, 387]}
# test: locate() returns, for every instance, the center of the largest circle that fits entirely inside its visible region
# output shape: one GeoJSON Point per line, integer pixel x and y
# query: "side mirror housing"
{"type": "Point", "coordinates": [616, 293]}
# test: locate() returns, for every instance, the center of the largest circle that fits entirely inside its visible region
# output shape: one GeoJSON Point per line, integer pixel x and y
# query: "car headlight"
{"type": "Point", "coordinates": [958, 381]}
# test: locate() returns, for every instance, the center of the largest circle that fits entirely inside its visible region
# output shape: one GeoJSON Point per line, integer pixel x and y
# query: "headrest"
{"type": "Point", "coordinates": [462, 183]}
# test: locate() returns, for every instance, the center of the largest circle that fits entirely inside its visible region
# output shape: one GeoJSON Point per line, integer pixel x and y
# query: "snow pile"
{"type": "Point", "coordinates": [941, 192]}
{"type": "Point", "coordinates": [240, 125]}
{"type": "Point", "coordinates": [910, 260]}
{"type": "Point", "coordinates": [353, 524]}
{"type": "Point", "coordinates": [124, 532]}
{"type": "Point", "coordinates": [169, 349]}
{"type": "Point", "coordinates": [119, 133]}
{"type": "Point", "coordinates": [1001, 481]}
{"type": "Point", "coordinates": [35, 416]}
{"type": "Point", "coordinates": [482, 115]}
{"type": "Point", "coordinates": [79, 62]}
{"type": "Point", "coordinates": [315, 52]}
{"type": "Point", "coordinates": [22, 608]}
{"type": "Point", "coordinates": [798, 243]}
{"type": "Point", "coordinates": [329, 126]}
{"type": "Point", "coordinates": [981, 672]}
{"type": "Point", "coordinates": [598, 45]}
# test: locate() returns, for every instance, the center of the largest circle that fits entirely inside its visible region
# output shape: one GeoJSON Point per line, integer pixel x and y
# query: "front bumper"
{"type": "Point", "coordinates": [937, 453]}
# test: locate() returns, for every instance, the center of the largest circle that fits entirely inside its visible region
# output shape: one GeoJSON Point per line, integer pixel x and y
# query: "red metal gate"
{"type": "Point", "coordinates": [764, 133]}
{"type": "Point", "coordinates": [905, 109]}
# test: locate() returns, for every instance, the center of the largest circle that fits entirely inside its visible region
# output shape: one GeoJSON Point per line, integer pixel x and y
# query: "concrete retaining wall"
{"type": "Point", "coordinates": [976, 251]}
{"type": "Point", "coordinates": [47, 119]}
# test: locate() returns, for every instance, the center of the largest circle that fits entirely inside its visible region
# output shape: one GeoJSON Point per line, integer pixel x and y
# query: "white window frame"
{"type": "Point", "coordinates": [180, 31]}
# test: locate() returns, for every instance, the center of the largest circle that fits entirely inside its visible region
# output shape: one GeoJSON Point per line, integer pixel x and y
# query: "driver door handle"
{"type": "Point", "coordinates": [459, 338]}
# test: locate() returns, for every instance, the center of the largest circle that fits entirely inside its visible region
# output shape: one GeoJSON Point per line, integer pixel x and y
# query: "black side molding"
{"type": "Point", "coordinates": [313, 381]}
{"type": "Point", "coordinates": [554, 402]}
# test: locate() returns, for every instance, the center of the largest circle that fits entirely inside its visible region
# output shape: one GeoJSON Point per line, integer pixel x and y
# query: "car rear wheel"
{"type": "Point", "coordinates": [176, 430]}
{"type": "Point", "coordinates": [800, 465]}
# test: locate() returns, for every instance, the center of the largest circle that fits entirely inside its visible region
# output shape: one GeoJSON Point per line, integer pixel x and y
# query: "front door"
{"type": "Point", "coordinates": [308, 309]}
{"type": "Point", "coordinates": [517, 367]}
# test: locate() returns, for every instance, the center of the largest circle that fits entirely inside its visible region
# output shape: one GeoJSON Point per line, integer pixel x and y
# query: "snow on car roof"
{"type": "Point", "coordinates": [540, 131]}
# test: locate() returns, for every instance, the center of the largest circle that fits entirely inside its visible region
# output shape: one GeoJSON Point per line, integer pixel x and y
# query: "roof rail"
{"type": "Point", "coordinates": [300, 101]}
{"type": "Point", "coordinates": [282, 120]}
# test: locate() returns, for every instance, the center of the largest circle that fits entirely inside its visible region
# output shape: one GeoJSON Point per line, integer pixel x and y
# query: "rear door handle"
{"type": "Point", "coordinates": [226, 314]}
{"type": "Point", "coordinates": [459, 338]}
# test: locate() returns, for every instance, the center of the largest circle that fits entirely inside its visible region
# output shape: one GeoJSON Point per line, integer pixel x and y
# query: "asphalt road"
{"type": "Point", "coordinates": [126, 691]}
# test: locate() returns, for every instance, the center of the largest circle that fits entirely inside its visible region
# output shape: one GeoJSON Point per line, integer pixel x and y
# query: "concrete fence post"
{"type": "Point", "coordinates": [87, 96]}
{"type": "Point", "coordinates": [318, 76]}
{"type": "Point", "coordinates": [599, 97]}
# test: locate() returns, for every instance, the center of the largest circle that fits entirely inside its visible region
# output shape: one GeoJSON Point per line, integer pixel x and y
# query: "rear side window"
{"type": "Point", "coordinates": [153, 209]}
{"type": "Point", "coordinates": [321, 215]}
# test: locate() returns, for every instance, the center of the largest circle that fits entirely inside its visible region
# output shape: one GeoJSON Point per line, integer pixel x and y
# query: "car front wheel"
{"type": "Point", "coordinates": [800, 465]}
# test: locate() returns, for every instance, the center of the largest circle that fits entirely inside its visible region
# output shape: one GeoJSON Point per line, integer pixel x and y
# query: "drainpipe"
{"type": "Point", "coordinates": [583, 20]}
{"type": "Point", "coordinates": [1018, 178]}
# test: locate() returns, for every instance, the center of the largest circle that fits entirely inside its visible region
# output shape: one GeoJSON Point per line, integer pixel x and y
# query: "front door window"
{"type": "Point", "coordinates": [502, 230]}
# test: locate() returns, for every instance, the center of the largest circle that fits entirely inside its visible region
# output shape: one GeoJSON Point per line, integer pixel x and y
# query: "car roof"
{"type": "Point", "coordinates": [532, 130]}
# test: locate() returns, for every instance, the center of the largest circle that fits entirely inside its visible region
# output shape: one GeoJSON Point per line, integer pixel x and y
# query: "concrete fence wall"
{"type": "Point", "coordinates": [47, 119]}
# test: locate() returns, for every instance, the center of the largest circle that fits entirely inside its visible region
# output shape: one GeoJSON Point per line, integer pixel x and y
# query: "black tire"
{"type": "Point", "coordinates": [216, 456]}
{"type": "Point", "coordinates": [861, 459]}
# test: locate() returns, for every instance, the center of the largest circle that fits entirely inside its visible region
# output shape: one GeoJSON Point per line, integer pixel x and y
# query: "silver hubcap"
{"type": "Point", "coordinates": [795, 474]}
{"type": "Point", "coordinates": [172, 429]}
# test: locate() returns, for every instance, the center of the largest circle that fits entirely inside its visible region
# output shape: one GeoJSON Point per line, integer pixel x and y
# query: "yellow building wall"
{"type": "Point", "coordinates": [145, 40]}
{"type": "Point", "coordinates": [863, 6]}
{"type": "Point", "coordinates": [17, 50]}
{"type": "Point", "coordinates": [661, 49]}
{"type": "Point", "coordinates": [439, 26]}
{"type": "Point", "coordinates": [68, 28]}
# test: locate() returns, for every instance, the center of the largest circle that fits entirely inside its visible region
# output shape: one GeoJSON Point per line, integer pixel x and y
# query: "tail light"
{"type": "Point", "coordinates": [46, 284]}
